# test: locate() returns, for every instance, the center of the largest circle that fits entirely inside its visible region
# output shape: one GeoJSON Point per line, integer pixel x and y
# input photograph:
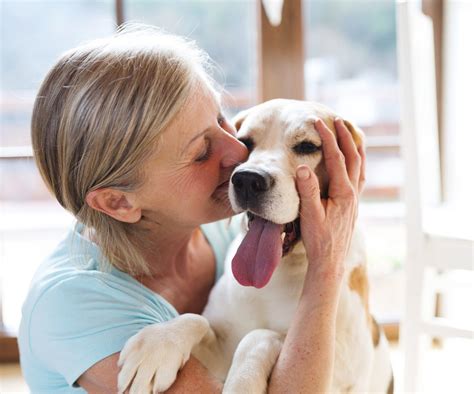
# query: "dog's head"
{"type": "Point", "coordinates": [280, 135]}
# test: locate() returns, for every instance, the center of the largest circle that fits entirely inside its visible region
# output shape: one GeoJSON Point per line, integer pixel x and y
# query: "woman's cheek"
{"type": "Point", "coordinates": [210, 172]}
{"type": "Point", "coordinates": [197, 178]}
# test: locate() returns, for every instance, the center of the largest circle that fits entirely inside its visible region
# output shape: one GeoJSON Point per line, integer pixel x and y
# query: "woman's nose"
{"type": "Point", "coordinates": [234, 152]}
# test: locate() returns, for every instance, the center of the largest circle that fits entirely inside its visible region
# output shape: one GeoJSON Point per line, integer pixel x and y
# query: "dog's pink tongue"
{"type": "Point", "coordinates": [258, 254]}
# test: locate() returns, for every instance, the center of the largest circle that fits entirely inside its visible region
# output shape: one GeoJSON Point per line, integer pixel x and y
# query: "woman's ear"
{"type": "Point", "coordinates": [115, 203]}
{"type": "Point", "coordinates": [238, 119]}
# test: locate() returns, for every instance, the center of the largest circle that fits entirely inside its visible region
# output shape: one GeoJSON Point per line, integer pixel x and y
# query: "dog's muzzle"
{"type": "Point", "coordinates": [266, 241]}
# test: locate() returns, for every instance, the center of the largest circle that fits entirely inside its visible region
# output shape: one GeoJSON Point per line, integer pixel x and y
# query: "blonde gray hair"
{"type": "Point", "coordinates": [98, 115]}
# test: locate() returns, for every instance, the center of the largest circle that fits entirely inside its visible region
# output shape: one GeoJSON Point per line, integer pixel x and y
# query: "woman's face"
{"type": "Point", "coordinates": [187, 178]}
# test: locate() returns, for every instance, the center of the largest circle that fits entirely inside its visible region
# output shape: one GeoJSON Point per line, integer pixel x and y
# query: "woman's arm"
{"type": "Point", "coordinates": [306, 360]}
{"type": "Point", "coordinates": [194, 377]}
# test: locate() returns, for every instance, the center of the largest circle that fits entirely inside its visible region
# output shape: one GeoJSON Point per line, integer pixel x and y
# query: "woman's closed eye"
{"type": "Point", "coordinates": [206, 153]}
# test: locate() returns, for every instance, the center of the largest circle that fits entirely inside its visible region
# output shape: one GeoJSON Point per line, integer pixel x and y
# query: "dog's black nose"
{"type": "Point", "coordinates": [248, 184]}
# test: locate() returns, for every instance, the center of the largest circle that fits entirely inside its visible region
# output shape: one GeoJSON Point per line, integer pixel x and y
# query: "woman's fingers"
{"type": "Point", "coordinates": [311, 208]}
{"type": "Point", "coordinates": [349, 149]}
{"type": "Point", "coordinates": [361, 150]}
{"type": "Point", "coordinates": [339, 183]}
{"type": "Point", "coordinates": [312, 212]}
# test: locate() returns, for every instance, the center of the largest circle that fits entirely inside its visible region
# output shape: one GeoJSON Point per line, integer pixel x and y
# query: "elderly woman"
{"type": "Point", "coordinates": [129, 135]}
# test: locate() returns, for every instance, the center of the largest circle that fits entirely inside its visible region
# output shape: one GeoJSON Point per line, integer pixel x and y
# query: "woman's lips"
{"type": "Point", "coordinates": [222, 191]}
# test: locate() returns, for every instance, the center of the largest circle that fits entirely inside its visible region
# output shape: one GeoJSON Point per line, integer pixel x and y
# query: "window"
{"type": "Point", "coordinates": [226, 30]}
{"type": "Point", "coordinates": [351, 66]}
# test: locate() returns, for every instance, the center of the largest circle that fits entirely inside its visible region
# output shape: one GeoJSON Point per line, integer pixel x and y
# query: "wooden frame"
{"type": "Point", "coordinates": [119, 13]}
{"type": "Point", "coordinates": [281, 54]}
{"type": "Point", "coordinates": [434, 9]}
{"type": "Point", "coordinates": [438, 236]}
{"type": "Point", "coordinates": [8, 347]}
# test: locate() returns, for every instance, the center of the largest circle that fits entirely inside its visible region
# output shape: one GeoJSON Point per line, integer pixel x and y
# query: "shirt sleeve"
{"type": "Point", "coordinates": [85, 318]}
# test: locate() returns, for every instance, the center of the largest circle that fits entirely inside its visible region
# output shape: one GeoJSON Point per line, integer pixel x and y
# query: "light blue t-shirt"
{"type": "Point", "coordinates": [76, 314]}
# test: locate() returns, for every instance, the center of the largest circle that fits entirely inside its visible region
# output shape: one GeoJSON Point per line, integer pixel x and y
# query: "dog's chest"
{"type": "Point", "coordinates": [279, 304]}
{"type": "Point", "coordinates": [354, 349]}
{"type": "Point", "coordinates": [275, 309]}
{"type": "Point", "coordinates": [244, 309]}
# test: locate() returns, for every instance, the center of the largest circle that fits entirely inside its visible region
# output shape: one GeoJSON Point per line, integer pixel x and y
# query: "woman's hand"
{"type": "Point", "coordinates": [327, 224]}
{"type": "Point", "coordinates": [306, 361]}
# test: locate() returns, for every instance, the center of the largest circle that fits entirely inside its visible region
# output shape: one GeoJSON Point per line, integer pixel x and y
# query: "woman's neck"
{"type": "Point", "coordinates": [183, 270]}
{"type": "Point", "coordinates": [171, 253]}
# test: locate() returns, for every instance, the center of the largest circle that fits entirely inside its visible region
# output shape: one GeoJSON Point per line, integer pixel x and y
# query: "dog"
{"type": "Point", "coordinates": [240, 333]}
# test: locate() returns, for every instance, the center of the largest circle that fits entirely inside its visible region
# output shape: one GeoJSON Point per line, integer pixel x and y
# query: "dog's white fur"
{"type": "Point", "coordinates": [240, 333]}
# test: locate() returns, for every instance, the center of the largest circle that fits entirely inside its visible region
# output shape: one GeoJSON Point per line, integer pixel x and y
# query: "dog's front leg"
{"type": "Point", "coordinates": [253, 362]}
{"type": "Point", "coordinates": [151, 359]}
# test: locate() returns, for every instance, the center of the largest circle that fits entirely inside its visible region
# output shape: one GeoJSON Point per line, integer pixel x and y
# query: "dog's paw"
{"type": "Point", "coordinates": [253, 362]}
{"type": "Point", "coordinates": [151, 359]}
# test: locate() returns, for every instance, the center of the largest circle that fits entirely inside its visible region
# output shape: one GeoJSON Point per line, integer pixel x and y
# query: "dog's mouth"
{"type": "Point", "coordinates": [262, 249]}
{"type": "Point", "coordinates": [290, 235]}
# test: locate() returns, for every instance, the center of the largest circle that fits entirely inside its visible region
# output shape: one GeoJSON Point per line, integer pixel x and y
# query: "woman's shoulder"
{"type": "Point", "coordinates": [76, 275]}
{"type": "Point", "coordinates": [74, 261]}
{"type": "Point", "coordinates": [76, 314]}
{"type": "Point", "coordinates": [76, 311]}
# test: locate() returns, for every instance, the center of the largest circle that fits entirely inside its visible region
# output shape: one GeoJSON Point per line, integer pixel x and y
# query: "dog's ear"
{"type": "Point", "coordinates": [357, 134]}
{"type": "Point", "coordinates": [238, 119]}
{"type": "Point", "coordinates": [323, 179]}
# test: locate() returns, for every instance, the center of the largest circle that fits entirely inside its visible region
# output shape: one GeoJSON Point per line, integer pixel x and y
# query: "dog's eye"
{"type": "Point", "coordinates": [248, 142]}
{"type": "Point", "coordinates": [306, 148]}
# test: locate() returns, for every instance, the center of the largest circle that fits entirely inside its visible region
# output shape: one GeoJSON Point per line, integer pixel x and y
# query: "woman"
{"type": "Point", "coordinates": [129, 136]}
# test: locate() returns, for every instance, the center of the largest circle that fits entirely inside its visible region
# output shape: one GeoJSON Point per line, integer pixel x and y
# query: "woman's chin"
{"type": "Point", "coordinates": [224, 210]}
{"type": "Point", "coordinates": [221, 209]}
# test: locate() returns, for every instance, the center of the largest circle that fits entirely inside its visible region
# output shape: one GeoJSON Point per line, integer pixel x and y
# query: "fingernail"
{"type": "Point", "coordinates": [303, 173]}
